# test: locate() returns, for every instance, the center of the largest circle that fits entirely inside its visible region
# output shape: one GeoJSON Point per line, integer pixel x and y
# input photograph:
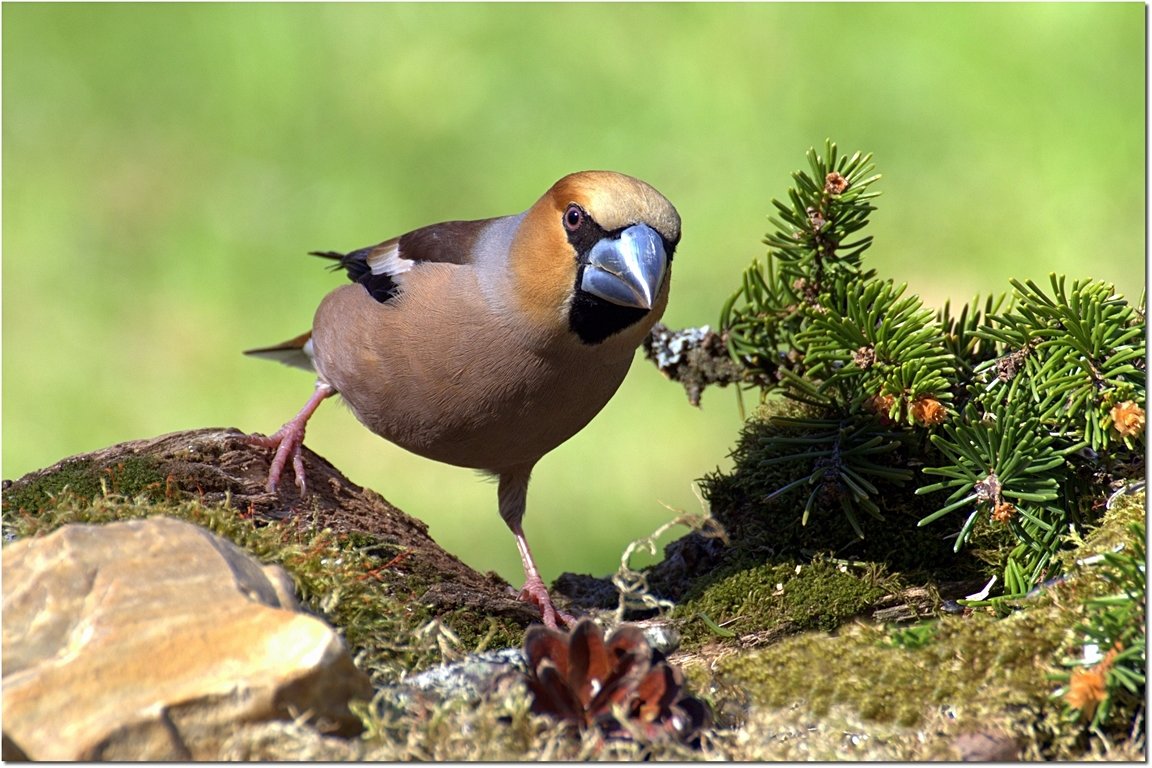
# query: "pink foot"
{"type": "Point", "coordinates": [289, 440]}
{"type": "Point", "coordinates": [536, 593]}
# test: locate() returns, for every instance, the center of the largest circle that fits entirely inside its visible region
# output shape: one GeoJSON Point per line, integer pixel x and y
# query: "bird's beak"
{"type": "Point", "coordinates": [629, 270]}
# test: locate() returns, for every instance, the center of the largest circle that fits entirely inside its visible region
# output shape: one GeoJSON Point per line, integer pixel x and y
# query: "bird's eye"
{"type": "Point", "coordinates": [573, 217]}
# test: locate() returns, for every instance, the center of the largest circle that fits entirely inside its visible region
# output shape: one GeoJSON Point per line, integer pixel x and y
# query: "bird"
{"type": "Point", "coordinates": [488, 343]}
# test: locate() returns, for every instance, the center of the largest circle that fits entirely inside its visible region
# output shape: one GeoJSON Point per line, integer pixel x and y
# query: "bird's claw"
{"type": "Point", "coordinates": [288, 442]}
{"type": "Point", "coordinates": [536, 593]}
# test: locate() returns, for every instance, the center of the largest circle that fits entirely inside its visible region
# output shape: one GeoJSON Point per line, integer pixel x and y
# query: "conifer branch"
{"type": "Point", "coordinates": [1021, 410]}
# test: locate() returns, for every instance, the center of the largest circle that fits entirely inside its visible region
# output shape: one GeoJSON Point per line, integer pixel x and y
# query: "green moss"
{"type": "Point", "coordinates": [86, 479]}
{"type": "Point", "coordinates": [824, 594]}
{"type": "Point", "coordinates": [974, 665]}
{"type": "Point", "coordinates": [985, 672]}
{"type": "Point", "coordinates": [783, 597]}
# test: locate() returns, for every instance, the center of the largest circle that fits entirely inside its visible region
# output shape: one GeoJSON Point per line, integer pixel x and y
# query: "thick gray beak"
{"type": "Point", "coordinates": [629, 270]}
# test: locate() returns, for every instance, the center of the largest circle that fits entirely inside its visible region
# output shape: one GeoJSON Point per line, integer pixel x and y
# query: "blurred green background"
{"type": "Point", "coordinates": [166, 168]}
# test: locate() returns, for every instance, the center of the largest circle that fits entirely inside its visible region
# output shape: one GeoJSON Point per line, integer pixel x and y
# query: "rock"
{"type": "Point", "coordinates": [470, 679]}
{"type": "Point", "coordinates": [155, 639]}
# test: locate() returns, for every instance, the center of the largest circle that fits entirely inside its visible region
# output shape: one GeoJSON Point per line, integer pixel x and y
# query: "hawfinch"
{"type": "Point", "coordinates": [486, 344]}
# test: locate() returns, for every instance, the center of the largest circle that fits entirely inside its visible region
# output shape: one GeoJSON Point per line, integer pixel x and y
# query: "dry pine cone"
{"type": "Point", "coordinates": [582, 679]}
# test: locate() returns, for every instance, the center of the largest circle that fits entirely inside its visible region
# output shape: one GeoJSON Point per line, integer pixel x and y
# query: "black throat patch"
{"type": "Point", "coordinates": [590, 317]}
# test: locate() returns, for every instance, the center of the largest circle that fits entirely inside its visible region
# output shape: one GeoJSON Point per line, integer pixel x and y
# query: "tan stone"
{"type": "Point", "coordinates": [155, 639]}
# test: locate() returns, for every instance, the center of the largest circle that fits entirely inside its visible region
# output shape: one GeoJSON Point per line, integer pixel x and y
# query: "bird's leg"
{"type": "Point", "coordinates": [513, 495]}
{"type": "Point", "coordinates": [534, 591]}
{"type": "Point", "coordinates": [289, 439]}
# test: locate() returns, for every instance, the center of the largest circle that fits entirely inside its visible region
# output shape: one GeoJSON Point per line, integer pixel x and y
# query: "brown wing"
{"type": "Point", "coordinates": [377, 266]}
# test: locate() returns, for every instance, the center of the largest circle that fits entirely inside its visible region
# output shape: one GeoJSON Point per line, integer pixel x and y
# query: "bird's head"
{"type": "Point", "coordinates": [593, 256]}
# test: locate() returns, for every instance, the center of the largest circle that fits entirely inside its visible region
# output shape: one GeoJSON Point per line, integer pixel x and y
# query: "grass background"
{"type": "Point", "coordinates": [166, 167]}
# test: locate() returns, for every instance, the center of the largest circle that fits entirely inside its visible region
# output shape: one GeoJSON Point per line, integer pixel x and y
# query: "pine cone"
{"type": "Point", "coordinates": [579, 678]}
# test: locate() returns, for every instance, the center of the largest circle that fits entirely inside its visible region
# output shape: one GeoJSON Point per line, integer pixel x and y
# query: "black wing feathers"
{"type": "Point", "coordinates": [381, 287]}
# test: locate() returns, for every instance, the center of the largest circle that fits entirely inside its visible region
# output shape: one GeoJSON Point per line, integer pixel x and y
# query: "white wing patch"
{"type": "Point", "coordinates": [385, 259]}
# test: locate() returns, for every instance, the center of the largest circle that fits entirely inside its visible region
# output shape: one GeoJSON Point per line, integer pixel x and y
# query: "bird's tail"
{"type": "Point", "coordinates": [295, 352]}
